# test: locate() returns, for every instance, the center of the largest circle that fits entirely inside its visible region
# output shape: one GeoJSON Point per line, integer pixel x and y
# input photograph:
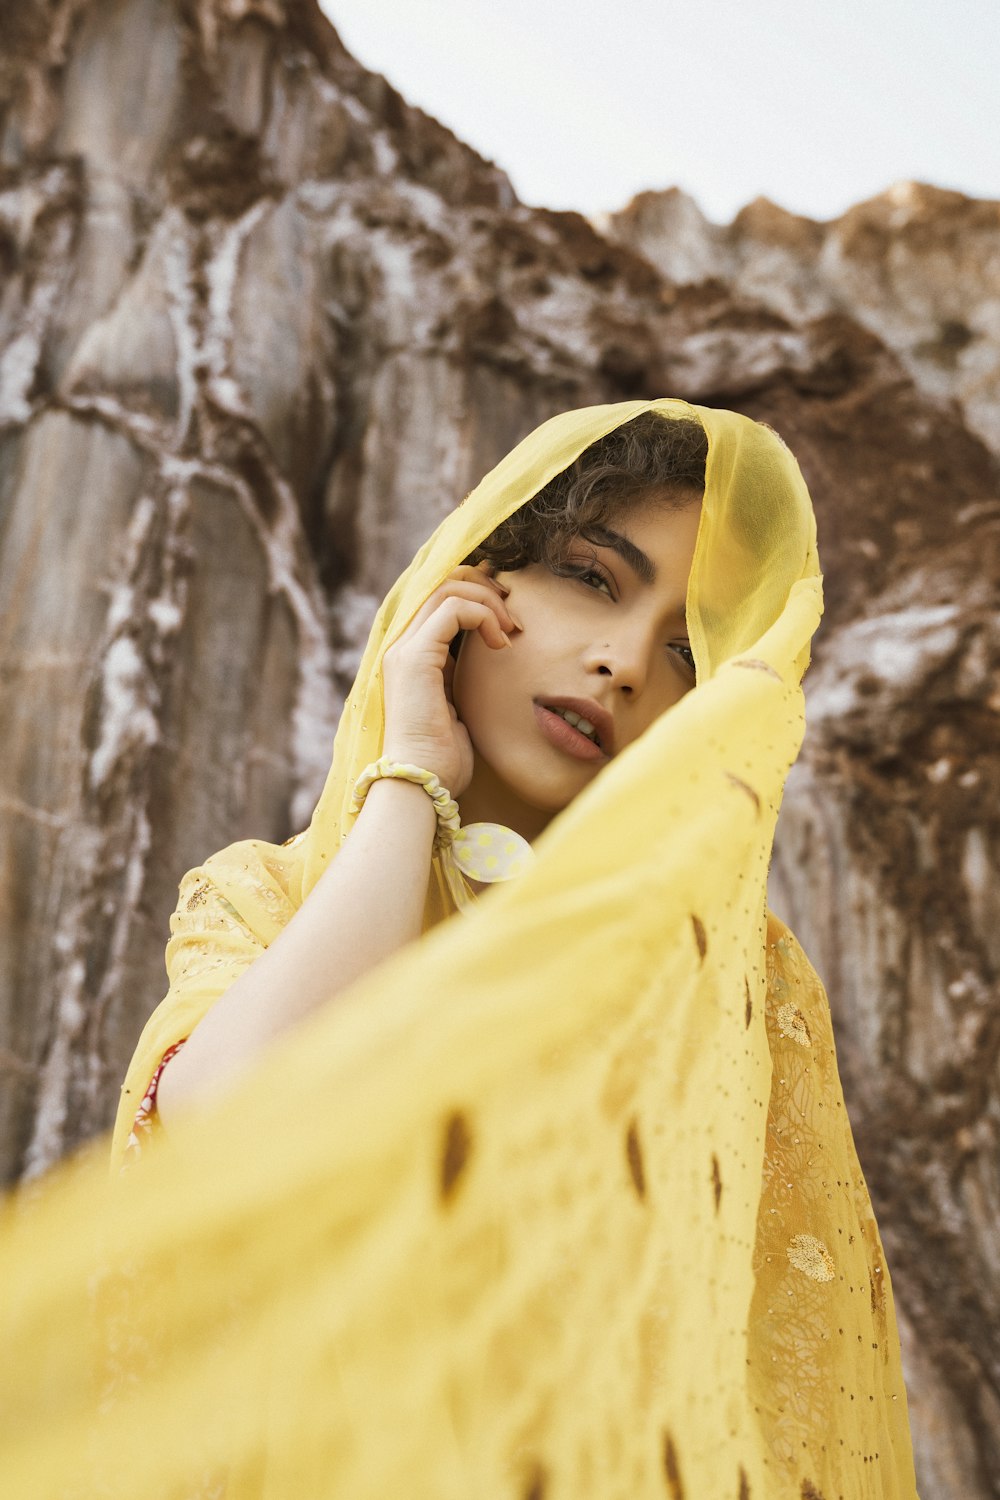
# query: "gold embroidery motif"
{"type": "Point", "coordinates": [810, 1256]}
{"type": "Point", "coordinates": [792, 1023]}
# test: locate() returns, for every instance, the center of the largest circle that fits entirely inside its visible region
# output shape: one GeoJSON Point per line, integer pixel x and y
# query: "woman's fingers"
{"type": "Point", "coordinates": [483, 570]}
{"type": "Point", "coordinates": [458, 612]}
{"type": "Point", "coordinates": [485, 593]}
{"type": "Point", "coordinates": [425, 646]}
{"type": "Point", "coordinates": [421, 720]}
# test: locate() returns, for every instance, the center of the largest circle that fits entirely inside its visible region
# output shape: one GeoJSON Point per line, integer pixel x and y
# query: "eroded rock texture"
{"type": "Point", "coordinates": [261, 325]}
{"type": "Point", "coordinates": [918, 265]}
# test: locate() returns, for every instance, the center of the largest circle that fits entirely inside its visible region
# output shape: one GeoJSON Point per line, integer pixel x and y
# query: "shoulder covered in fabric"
{"type": "Point", "coordinates": [256, 884]}
{"type": "Point", "coordinates": [229, 909]}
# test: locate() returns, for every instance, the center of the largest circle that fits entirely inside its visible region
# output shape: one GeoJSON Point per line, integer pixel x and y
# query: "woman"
{"type": "Point", "coordinates": [572, 1175]}
{"type": "Point", "coordinates": [451, 686]}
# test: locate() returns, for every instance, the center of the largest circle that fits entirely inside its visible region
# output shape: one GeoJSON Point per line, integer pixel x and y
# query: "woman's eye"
{"type": "Point", "coordinates": [594, 578]}
{"type": "Point", "coordinates": [586, 574]}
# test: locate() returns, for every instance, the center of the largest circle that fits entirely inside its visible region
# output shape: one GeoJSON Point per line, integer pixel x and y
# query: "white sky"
{"type": "Point", "coordinates": [816, 104]}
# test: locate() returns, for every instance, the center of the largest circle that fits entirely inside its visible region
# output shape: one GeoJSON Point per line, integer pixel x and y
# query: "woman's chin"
{"type": "Point", "coordinates": [540, 786]}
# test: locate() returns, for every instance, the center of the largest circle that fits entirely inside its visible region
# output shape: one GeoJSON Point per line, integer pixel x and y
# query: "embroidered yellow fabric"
{"type": "Point", "coordinates": [561, 1202]}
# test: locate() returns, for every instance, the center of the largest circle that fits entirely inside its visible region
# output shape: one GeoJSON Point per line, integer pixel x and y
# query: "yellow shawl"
{"type": "Point", "coordinates": [561, 1201]}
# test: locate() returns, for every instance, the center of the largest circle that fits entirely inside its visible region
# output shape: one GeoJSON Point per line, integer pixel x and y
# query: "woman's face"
{"type": "Point", "coordinates": [615, 636]}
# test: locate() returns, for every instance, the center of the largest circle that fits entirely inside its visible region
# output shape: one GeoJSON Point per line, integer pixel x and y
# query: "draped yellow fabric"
{"type": "Point", "coordinates": [562, 1200]}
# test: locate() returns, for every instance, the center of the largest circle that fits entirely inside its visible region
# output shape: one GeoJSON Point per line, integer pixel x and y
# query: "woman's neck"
{"type": "Point", "coordinates": [487, 799]}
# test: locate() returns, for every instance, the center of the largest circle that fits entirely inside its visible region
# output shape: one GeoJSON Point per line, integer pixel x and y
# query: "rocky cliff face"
{"type": "Point", "coordinates": [262, 324]}
{"type": "Point", "coordinates": [918, 266]}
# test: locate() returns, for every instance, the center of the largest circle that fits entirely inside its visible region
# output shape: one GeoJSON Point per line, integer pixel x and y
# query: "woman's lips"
{"type": "Point", "coordinates": [565, 737]}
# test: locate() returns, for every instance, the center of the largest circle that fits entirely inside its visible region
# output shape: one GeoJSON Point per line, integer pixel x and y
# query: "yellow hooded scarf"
{"type": "Point", "coordinates": [561, 1201]}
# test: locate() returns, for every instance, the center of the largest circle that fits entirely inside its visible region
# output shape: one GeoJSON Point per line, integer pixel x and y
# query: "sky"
{"type": "Point", "coordinates": [813, 104]}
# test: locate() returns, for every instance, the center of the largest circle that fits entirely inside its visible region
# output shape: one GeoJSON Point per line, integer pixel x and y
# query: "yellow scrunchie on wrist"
{"type": "Point", "coordinates": [449, 819]}
{"type": "Point", "coordinates": [485, 852]}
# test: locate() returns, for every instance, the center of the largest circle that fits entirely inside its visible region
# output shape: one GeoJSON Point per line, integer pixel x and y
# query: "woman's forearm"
{"type": "Point", "coordinates": [366, 905]}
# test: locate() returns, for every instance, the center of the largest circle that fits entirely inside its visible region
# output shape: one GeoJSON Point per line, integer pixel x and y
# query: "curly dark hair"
{"type": "Point", "coordinates": [649, 457]}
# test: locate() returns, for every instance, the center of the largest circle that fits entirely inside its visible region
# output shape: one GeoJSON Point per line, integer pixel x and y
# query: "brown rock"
{"type": "Point", "coordinates": [918, 265]}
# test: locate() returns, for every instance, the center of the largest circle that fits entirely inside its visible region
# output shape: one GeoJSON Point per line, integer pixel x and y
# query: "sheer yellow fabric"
{"type": "Point", "coordinates": [562, 1201]}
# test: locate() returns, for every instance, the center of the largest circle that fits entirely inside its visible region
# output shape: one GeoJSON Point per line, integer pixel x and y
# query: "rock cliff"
{"type": "Point", "coordinates": [919, 266]}
{"type": "Point", "coordinates": [262, 324]}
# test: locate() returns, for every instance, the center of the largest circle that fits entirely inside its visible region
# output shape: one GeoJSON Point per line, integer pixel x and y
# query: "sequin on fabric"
{"type": "Point", "coordinates": [810, 1256]}
{"type": "Point", "coordinates": [792, 1023]}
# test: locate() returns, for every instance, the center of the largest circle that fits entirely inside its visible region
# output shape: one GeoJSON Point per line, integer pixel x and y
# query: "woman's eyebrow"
{"type": "Point", "coordinates": [643, 566]}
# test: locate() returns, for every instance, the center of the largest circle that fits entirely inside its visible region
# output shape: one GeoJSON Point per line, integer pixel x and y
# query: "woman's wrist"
{"type": "Point", "coordinates": [393, 791]}
{"type": "Point", "coordinates": [387, 767]}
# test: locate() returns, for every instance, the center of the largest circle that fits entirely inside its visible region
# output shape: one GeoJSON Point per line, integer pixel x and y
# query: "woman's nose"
{"type": "Point", "coordinates": [625, 660]}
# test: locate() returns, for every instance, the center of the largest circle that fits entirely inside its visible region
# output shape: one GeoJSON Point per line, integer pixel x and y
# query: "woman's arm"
{"type": "Point", "coordinates": [370, 899]}
{"type": "Point", "coordinates": [368, 902]}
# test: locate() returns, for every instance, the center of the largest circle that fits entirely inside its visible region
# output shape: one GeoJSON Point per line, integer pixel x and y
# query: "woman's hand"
{"type": "Point", "coordinates": [421, 723]}
{"type": "Point", "coordinates": [330, 942]}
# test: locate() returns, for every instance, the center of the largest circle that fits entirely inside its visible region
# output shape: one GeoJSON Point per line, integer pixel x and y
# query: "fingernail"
{"type": "Point", "coordinates": [503, 588]}
{"type": "Point", "coordinates": [507, 639]}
